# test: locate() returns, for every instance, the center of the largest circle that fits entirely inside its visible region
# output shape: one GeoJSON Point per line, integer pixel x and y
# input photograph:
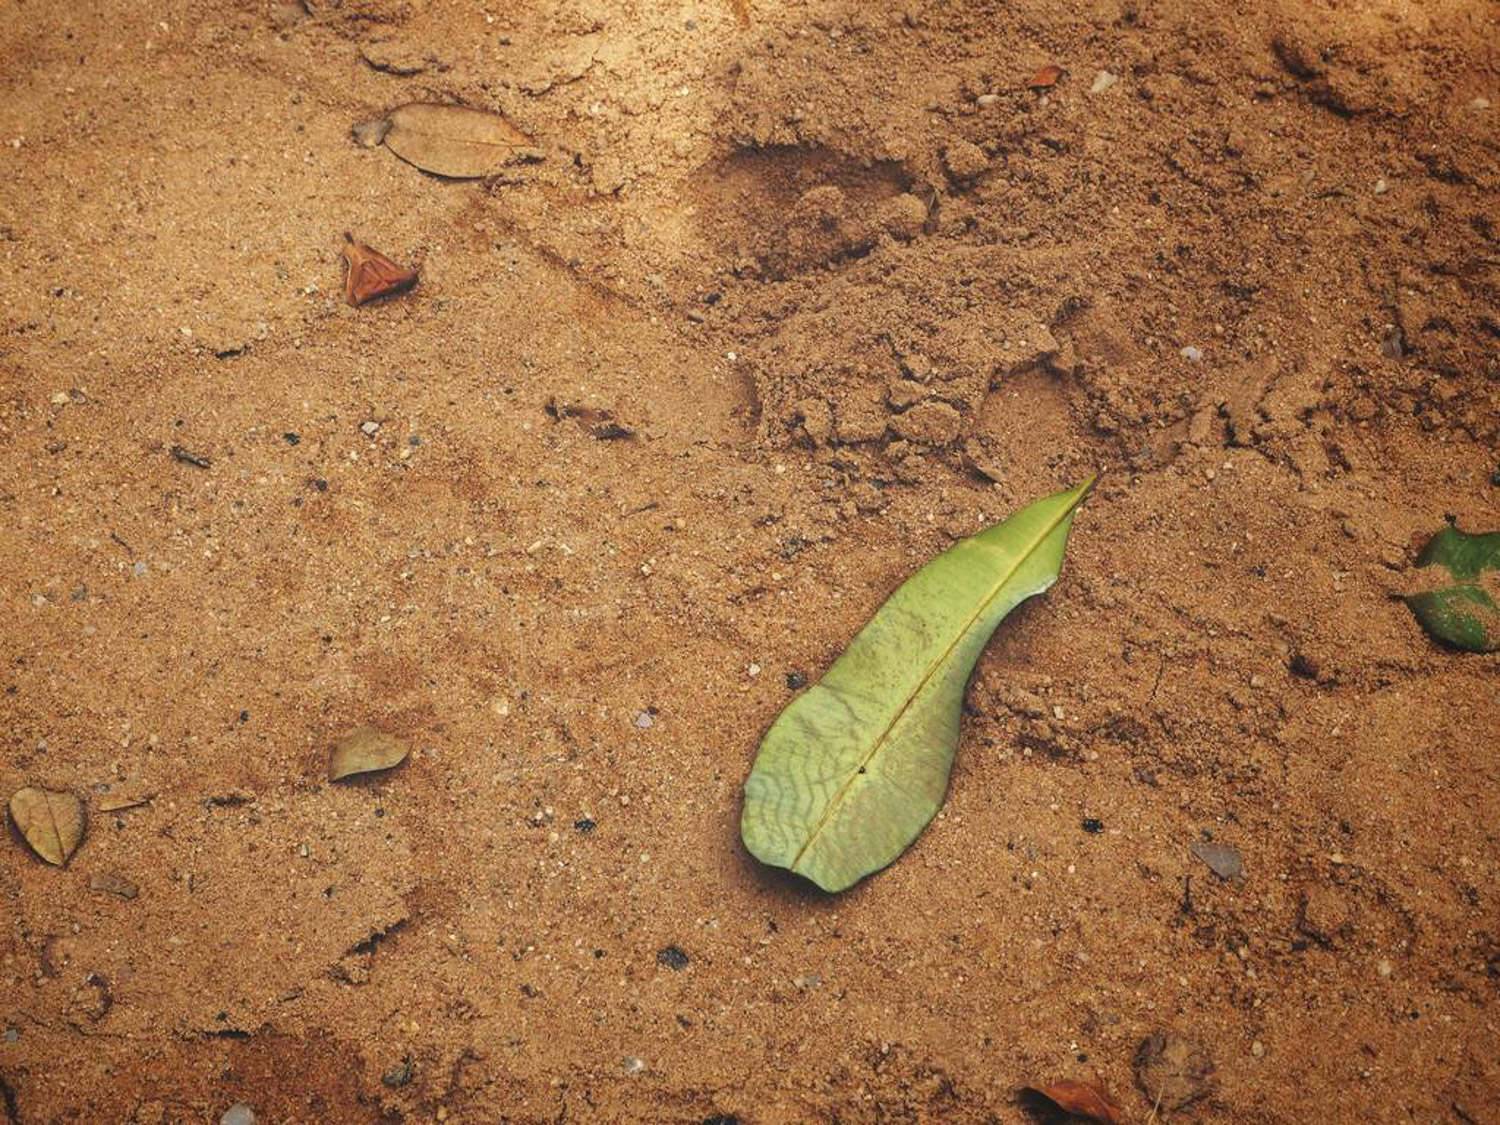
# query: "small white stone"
{"type": "Point", "coordinates": [1381, 187]}
{"type": "Point", "coordinates": [984, 101]}
{"type": "Point", "coordinates": [1258, 1049]}
{"type": "Point", "coordinates": [370, 428]}
{"type": "Point", "coordinates": [1480, 102]}
{"type": "Point", "coordinates": [633, 1065]}
{"type": "Point", "coordinates": [1192, 354]}
{"type": "Point", "coordinates": [238, 1114]}
{"type": "Point", "coordinates": [1384, 967]}
{"type": "Point", "coordinates": [753, 670]}
{"type": "Point", "coordinates": [1103, 81]}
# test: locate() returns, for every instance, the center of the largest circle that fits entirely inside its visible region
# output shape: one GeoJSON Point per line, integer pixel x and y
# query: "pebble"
{"type": "Point", "coordinates": [1192, 354]}
{"type": "Point", "coordinates": [1258, 1049]}
{"type": "Point", "coordinates": [12, 1034]}
{"type": "Point", "coordinates": [1384, 967]}
{"type": "Point", "coordinates": [984, 101]}
{"type": "Point", "coordinates": [1103, 81]}
{"type": "Point", "coordinates": [1480, 102]}
{"type": "Point", "coordinates": [1093, 825]}
{"type": "Point", "coordinates": [1381, 187]}
{"type": "Point", "coordinates": [644, 721]}
{"type": "Point", "coordinates": [238, 1114]}
{"type": "Point", "coordinates": [585, 825]}
{"type": "Point", "coordinates": [673, 958]}
{"type": "Point", "coordinates": [139, 570]}
{"type": "Point", "coordinates": [371, 428]}
{"type": "Point", "coordinates": [633, 1065]}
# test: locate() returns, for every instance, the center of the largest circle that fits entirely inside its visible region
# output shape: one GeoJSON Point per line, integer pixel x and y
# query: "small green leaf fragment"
{"type": "Point", "coordinates": [365, 750]}
{"type": "Point", "coordinates": [1464, 613]}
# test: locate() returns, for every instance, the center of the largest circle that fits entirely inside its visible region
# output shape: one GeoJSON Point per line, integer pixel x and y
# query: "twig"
{"type": "Point", "coordinates": [188, 457]}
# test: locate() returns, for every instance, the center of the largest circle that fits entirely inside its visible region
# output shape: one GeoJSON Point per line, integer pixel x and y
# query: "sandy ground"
{"type": "Point", "coordinates": [858, 291]}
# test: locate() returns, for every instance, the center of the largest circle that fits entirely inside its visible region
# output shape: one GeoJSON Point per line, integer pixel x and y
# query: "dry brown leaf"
{"type": "Point", "coordinates": [112, 884]}
{"type": "Point", "coordinates": [1173, 1071]}
{"type": "Point", "coordinates": [1082, 1099]}
{"type": "Point", "coordinates": [51, 823]}
{"type": "Point", "coordinates": [454, 140]}
{"type": "Point", "coordinates": [121, 803]}
{"type": "Point", "coordinates": [365, 750]}
{"type": "Point", "coordinates": [1046, 77]}
{"type": "Point", "coordinates": [371, 274]}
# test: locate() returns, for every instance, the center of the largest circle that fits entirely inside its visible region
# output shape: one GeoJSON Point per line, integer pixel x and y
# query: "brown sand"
{"type": "Point", "coordinates": [857, 291]}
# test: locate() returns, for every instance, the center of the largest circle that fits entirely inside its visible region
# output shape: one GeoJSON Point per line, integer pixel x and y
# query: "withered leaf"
{"type": "Point", "coordinates": [1046, 77]}
{"type": "Point", "coordinates": [1172, 1071]}
{"type": "Point", "coordinates": [370, 274]}
{"type": "Point", "coordinates": [454, 140]}
{"type": "Point", "coordinates": [112, 884]}
{"type": "Point", "coordinates": [365, 750]}
{"type": "Point", "coordinates": [51, 823]}
{"type": "Point", "coordinates": [598, 422]}
{"type": "Point", "coordinates": [121, 803]}
{"type": "Point", "coordinates": [368, 134]}
{"type": "Point", "coordinates": [1082, 1099]}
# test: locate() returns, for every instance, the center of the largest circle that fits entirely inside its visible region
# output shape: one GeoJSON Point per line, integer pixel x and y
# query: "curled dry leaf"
{"type": "Point", "coordinates": [365, 750]}
{"type": "Point", "coordinates": [1046, 78]}
{"type": "Point", "coordinates": [371, 275]}
{"type": "Point", "coordinates": [51, 823]}
{"type": "Point", "coordinates": [454, 140]}
{"type": "Point", "coordinates": [1081, 1099]}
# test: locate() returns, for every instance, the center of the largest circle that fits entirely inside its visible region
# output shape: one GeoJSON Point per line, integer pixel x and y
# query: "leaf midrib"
{"type": "Point", "coordinates": [941, 660]}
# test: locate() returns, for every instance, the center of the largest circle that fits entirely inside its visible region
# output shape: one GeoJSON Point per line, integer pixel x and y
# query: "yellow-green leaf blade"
{"type": "Point", "coordinates": [852, 771]}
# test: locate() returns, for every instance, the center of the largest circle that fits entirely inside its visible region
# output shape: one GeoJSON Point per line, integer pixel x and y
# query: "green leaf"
{"type": "Point", "coordinates": [854, 768]}
{"type": "Point", "coordinates": [1462, 612]}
